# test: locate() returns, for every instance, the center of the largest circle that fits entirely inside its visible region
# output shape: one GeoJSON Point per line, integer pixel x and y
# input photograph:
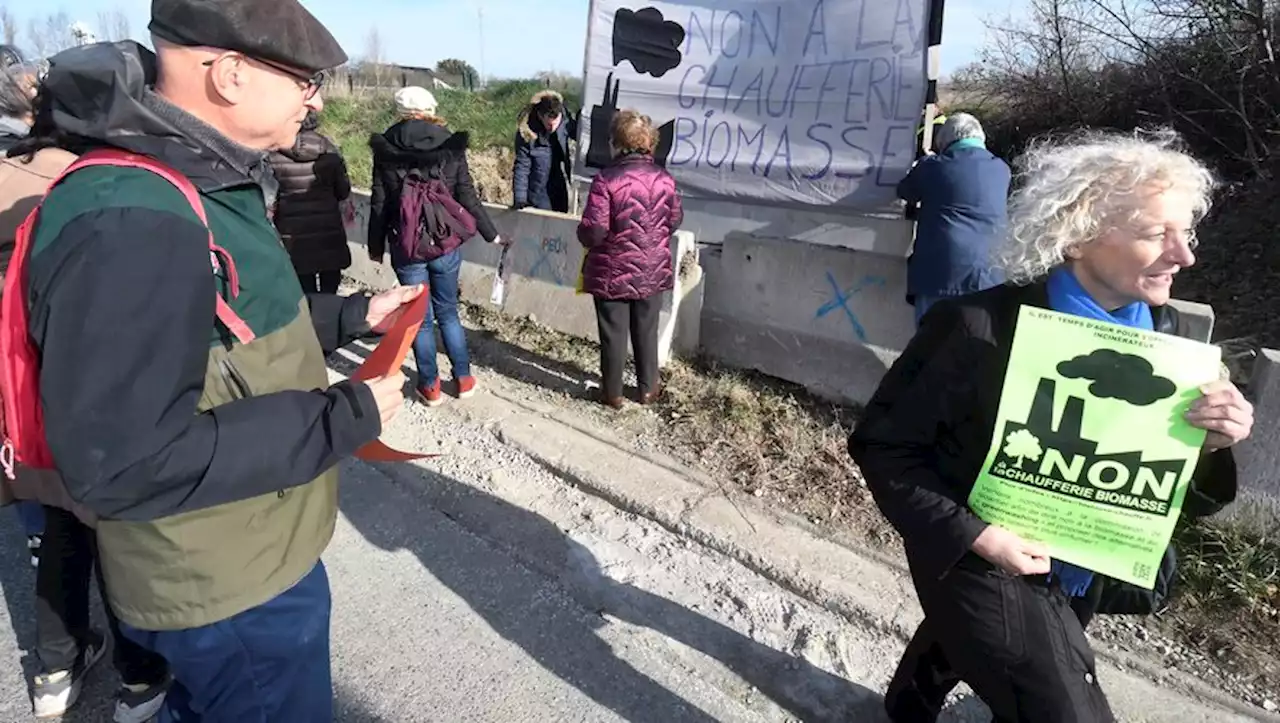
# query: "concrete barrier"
{"type": "Point", "coordinates": [831, 319]}
{"type": "Point", "coordinates": [1258, 457]}
{"type": "Point", "coordinates": [544, 261]}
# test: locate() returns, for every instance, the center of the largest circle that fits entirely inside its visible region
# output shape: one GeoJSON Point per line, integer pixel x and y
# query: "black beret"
{"type": "Point", "coordinates": [276, 30]}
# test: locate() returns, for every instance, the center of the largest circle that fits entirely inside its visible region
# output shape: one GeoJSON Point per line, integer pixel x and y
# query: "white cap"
{"type": "Point", "coordinates": [415, 99]}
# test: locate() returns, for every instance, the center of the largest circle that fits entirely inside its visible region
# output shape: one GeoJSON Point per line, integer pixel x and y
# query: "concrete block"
{"type": "Point", "coordinates": [545, 260]}
{"type": "Point", "coordinates": [830, 319]}
{"type": "Point", "coordinates": [1258, 458]}
{"type": "Point", "coordinates": [1197, 319]}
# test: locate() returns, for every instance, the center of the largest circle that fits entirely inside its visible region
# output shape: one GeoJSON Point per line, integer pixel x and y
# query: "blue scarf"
{"type": "Point", "coordinates": [1067, 296]}
{"type": "Point", "coordinates": [967, 143]}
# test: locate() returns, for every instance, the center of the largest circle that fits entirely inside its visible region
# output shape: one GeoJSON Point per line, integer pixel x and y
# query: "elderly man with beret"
{"type": "Point", "coordinates": [208, 458]}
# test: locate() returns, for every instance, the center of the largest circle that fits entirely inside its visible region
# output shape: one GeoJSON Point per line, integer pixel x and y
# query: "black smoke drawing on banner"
{"type": "Point", "coordinates": [1114, 375]}
{"type": "Point", "coordinates": [651, 43]}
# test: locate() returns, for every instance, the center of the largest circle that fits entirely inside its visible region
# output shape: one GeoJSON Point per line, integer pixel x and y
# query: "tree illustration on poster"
{"type": "Point", "coordinates": [1022, 445]}
{"type": "Point", "coordinates": [789, 102]}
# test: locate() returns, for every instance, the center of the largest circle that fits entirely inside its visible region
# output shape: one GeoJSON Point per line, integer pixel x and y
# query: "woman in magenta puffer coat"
{"type": "Point", "coordinates": [631, 213]}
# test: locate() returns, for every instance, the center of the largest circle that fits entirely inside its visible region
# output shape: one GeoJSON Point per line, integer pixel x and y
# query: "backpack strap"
{"type": "Point", "coordinates": [124, 159]}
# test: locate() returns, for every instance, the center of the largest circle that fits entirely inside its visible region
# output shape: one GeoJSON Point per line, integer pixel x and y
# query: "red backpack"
{"type": "Point", "coordinates": [21, 418]}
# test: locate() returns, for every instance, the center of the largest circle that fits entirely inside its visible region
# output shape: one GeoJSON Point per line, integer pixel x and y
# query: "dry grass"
{"type": "Point", "coordinates": [491, 171]}
{"type": "Point", "coordinates": [766, 437]}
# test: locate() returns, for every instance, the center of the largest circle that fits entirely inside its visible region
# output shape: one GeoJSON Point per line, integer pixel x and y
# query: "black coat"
{"type": "Point", "coordinates": [416, 144]}
{"type": "Point", "coordinates": [313, 184]}
{"type": "Point", "coordinates": [926, 431]}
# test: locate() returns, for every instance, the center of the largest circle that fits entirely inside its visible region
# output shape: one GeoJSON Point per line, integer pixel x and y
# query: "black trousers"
{"type": "Point", "coordinates": [325, 282]}
{"type": "Point", "coordinates": [1018, 644]}
{"type": "Point", "coordinates": [68, 552]}
{"type": "Point", "coordinates": [615, 319]}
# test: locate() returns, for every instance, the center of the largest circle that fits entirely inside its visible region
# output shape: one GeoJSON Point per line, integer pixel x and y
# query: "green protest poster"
{"type": "Point", "coordinates": [1091, 454]}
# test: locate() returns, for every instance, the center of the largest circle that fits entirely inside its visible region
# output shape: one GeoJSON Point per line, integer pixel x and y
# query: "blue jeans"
{"type": "Point", "coordinates": [442, 275]}
{"type": "Point", "coordinates": [269, 664]}
{"type": "Point", "coordinates": [31, 514]}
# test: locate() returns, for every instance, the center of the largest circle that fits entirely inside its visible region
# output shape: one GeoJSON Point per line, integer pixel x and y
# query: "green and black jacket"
{"type": "Point", "coordinates": [211, 464]}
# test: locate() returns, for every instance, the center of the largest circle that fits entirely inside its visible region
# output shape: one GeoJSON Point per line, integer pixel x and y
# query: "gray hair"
{"type": "Point", "coordinates": [959, 127]}
{"type": "Point", "coordinates": [1075, 190]}
{"type": "Point", "coordinates": [17, 89]}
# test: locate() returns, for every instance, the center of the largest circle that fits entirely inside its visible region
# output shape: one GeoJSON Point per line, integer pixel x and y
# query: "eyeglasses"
{"type": "Point", "coordinates": [309, 84]}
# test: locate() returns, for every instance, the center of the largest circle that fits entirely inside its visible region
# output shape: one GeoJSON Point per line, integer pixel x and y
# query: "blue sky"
{"type": "Point", "coordinates": [521, 37]}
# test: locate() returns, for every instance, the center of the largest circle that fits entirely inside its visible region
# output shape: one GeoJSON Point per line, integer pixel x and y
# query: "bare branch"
{"type": "Point", "coordinates": [8, 27]}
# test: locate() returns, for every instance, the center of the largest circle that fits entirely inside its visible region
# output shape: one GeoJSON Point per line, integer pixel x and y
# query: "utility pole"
{"type": "Point", "coordinates": [480, 16]}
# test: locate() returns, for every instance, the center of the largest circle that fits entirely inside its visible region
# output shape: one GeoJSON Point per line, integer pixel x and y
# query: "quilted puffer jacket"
{"type": "Point", "coordinates": [626, 227]}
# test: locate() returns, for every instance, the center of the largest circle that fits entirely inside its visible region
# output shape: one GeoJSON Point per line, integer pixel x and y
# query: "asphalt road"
{"type": "Point", "coordinates": [452, 604]}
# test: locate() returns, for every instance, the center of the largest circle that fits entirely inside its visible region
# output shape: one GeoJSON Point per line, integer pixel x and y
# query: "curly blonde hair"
{"type": "Point", "coordinates": [633, 132]}
{"type": "Point", "coordinates": [1072, 191]}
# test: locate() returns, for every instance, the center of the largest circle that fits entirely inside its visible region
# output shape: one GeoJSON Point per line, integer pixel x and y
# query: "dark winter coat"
{"type": "Point", "coordinates": [927, 430]}
{"type": "Point", "coordinates": [313, 184]}
{"type": "Point", "coordinates": [626, 227]}
{"type": "Point", "coordinates": [543, 164]}
{"type": "Point", "coordinates": [416, 144]}
{"type": "Point", "coordinates": [962, 194]}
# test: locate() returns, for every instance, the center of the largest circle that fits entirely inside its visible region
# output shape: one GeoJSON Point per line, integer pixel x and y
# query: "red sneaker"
{"type": "Point", "coordinates": [431, 395]}
{"type": "Point", "coordinates": [466, 387]}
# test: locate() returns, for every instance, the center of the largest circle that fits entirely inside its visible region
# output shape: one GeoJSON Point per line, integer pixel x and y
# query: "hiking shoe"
{"type": "Point", "coordinates": [466, 387]}
{"type": "Point", "coordinates": [431, 395]}
{"type": "Point", "coordinates": [140, 703]}
{"type": "Point", "coordinates": [651, 397]}
{"type": "Point", "coordinates": [612, 402]}
{"type": "Point", "coordinates": [54, 693]}
{"type": "Point", "coordinates": [33, 544]}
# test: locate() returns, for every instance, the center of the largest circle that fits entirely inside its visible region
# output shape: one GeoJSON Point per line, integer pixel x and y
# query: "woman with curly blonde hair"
{"type": "Point", "coordinates": [1099, 226]}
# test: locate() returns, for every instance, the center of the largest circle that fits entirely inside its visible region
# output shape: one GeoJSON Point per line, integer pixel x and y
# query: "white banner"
{"type": "Point", "coordinates": [798, 102]}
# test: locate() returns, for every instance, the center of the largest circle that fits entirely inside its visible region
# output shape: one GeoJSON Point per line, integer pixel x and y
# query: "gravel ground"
{"type": "Point", "coordinates": [1253, 678]}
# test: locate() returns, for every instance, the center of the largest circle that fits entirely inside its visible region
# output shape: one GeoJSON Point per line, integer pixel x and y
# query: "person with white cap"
{"type": "Point", "coordinates": [414, 159]}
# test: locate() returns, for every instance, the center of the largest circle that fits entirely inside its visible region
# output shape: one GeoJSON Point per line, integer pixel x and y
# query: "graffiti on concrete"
{"type": "Point", "coordinates": [841, 298]}
{"type": "Point", "coordinates": [547, 258]}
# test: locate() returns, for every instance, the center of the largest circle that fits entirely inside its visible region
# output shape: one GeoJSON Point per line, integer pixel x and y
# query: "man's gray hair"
{"type": "Point", "coordinates": [959, 127]}
{"type": "Point", "coordinates": [17, 88]}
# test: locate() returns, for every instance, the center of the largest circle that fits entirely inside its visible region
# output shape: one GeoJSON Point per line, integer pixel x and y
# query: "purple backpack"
{"type": "Point", "coordinates": [432, 222]}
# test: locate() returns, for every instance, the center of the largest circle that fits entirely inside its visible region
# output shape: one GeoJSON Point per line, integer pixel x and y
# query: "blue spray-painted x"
{"type": "Point", "coordinates": [841, 301]}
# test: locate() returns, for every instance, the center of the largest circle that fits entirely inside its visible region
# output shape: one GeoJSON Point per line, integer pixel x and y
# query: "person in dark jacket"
{"type": "Point", "coordinates": [544, 164]}
{"type": "Point", "coordinates": [420, 141]}
{"type": "Point", "coordinates": [1098, 229]}
{"type": "Point", "coordinates": [631, 213]}
{"type": "Point", "coordinates": [313, 184]}
{"type": "Point", "coordinates": [17, 87]}
{"type": "Point", "coordinates": [207, 452]}
{"type": "Point", "coordinates": [962, 193]}
{"type": "Point", "coordinates": [66, 645]}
